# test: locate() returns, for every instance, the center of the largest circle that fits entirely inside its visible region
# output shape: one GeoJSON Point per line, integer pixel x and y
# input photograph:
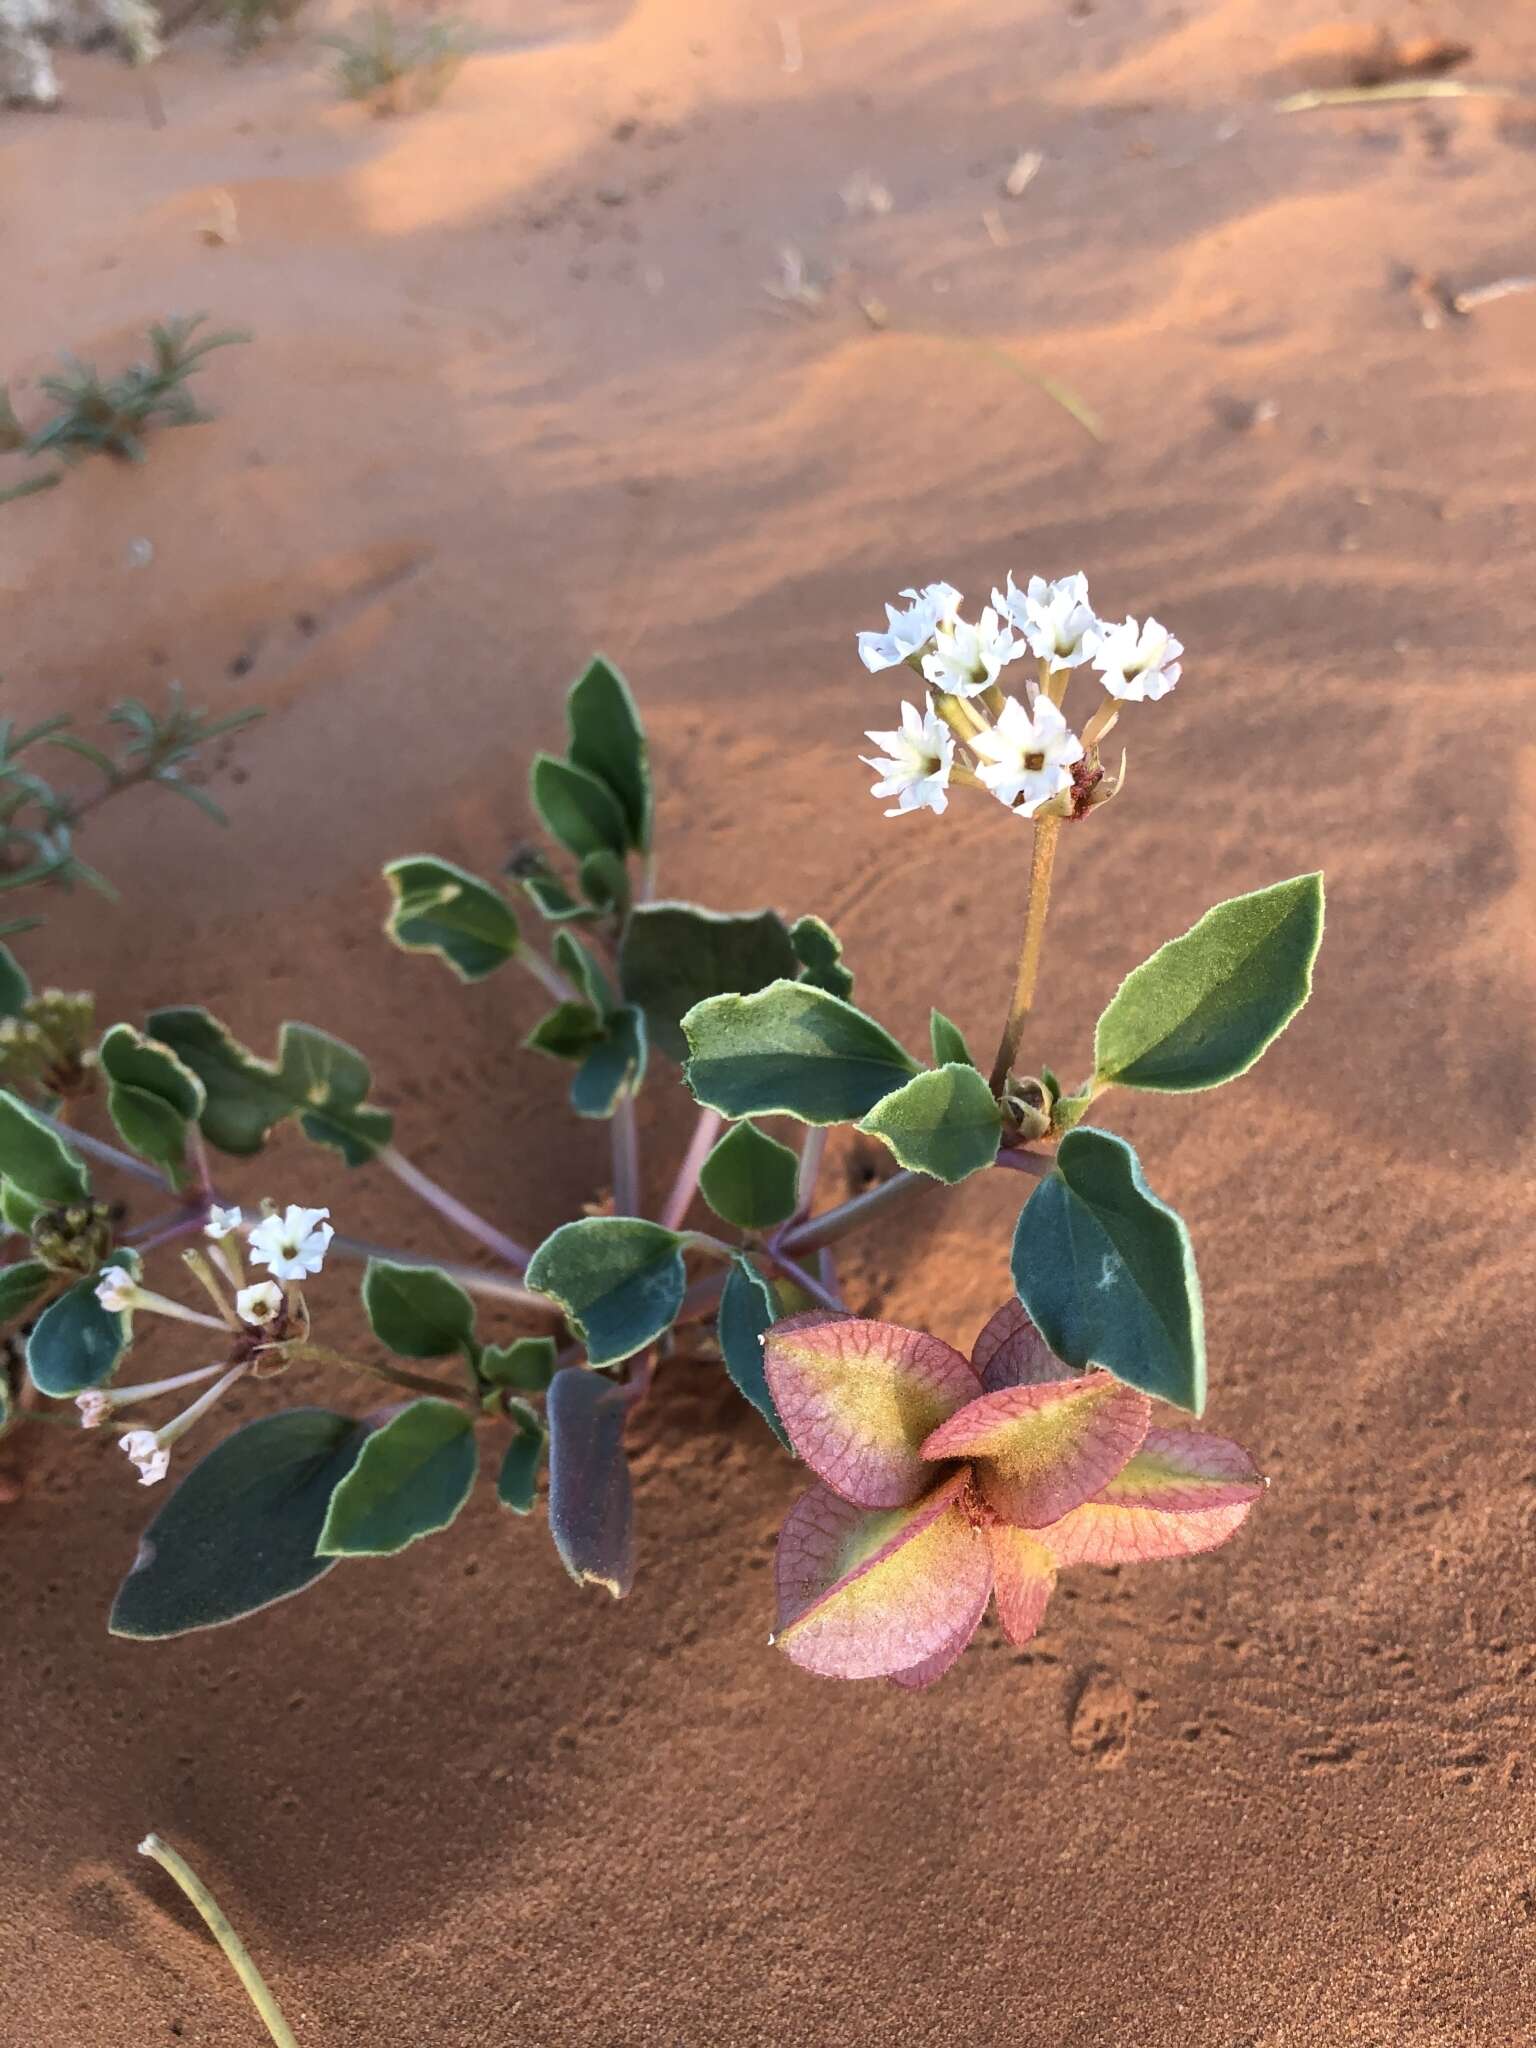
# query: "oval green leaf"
{"type": "Point", "coordinates": [517, 1483]}
{"type": "Point", "coordinates": [241, 1529]}
{"type": "Point", "coordinates": [75, 1343]}
{"type": "Point", "coordinates": [944, 1123]}
{"type": "Point", "coordinates": [675, 955]}
{"type": "Point", "coordinates": [411, 1478]}
{"type": "Point", "coordinates": [608, 741]}
{"type": "Point", "coordinates": [794, 1050]}
{"type": "Point", "coordinates": [1107, 1272]}
{"type": "Point", "coordinates": [36, 1159]}
{"type": "Point", "coordinates": [948, 1041]}
{"type": "Point", "coordinates": [619, 1280]}
{"type": "Point", "coordinates": [416, 1310]}
{"type": "Point", "coordinates": [443, 909]}
{"type": "Point", "coordinates": [749, 1179]}
{"type": "Point", "coordinates": [20, 1286]}
{"type": "Point", "coordinates": [1206, 1005]}
{"type": "Point", "coordinates": [576, 808]}
{"type": "Point", "coordinates": [746, 1316]}
{"type": "Point", "coordinates": [591, 1499]}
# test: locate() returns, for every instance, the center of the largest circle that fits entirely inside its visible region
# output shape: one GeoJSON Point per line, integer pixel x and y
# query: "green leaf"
{"type": "Point", "coordinates": [820, 951]}
{"type": "Point", "coordinates": [417, 1311]}
{"type": "Point", "coordinates": [745, 1318]}
{"type": "Point", "coordinates": [411, 1478]}
{"type": "Point", "coordinates": [944, 1123]}
{"type": "Point", "coordinates": [675, 955]}
{"type": "Point", "coordinates": [791, 1049]}
{"type": "Point", "coordinates": [20, 1285]}
{"type": "Point", "coordinates": [241, 1529]}
{"type": "Point", "coordinates": [605, 881]}
{"type": "Point", "coordinates": [1205, 1006]}
{"type": "Point", "coordinates": [591, 1499]}
{"type": "Point", "coordinates": [576, 808]}
{"type": "Point", "coordinates": [553, 900]}
{"type": "Point", "coordinates": [527, 1363]}
{"type": "Point", "coordinates": [613, 1068]}
{"type": "Point", "coordinates": [152, 1097]}
{"type": "Point", "coordinates": [949, 1046]}
{"type": "Point", "coordinates": [579, 963]}
{"type": "Point", "coordinates": [517, 1483]}
{"type": "Point", "coordinates": [20, 1211]}
{"type": "Point", "coordinates": [568, 1032]}
{"type": "Point", "coordinates": [619, 1280]}
{"type": "Point", "coordinates": [749, 1179]}
{"type": "Point", "coordinates": [15, 989]}
{"type": "Point", "coordinates": [1107, 1272]}
{"type": "Point", "coordinates": [442, 909]}
{"type": "Point", "coordinates": [244, 1098]}
{"type": "Point", "coordinates": [36, 1159]}
{"type": "Point", "coordinates": [608, 740]}
{"type": "Point", "coordinates": [76, 1343]}
{"type": "Point", "coordinates": [327, 1081]}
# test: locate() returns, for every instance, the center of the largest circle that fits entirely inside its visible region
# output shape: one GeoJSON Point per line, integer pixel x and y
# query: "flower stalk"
{"type": "Point", "coordinates": [217, 1922]}
{"type": "Point", "coordinates": [1041, 866]}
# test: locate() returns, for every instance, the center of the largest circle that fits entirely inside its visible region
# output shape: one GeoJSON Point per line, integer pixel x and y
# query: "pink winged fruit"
{"type": "Point", "coordinates": [945, 1482]}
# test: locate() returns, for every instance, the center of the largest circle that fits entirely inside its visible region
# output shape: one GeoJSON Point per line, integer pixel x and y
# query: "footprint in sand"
{"type": "Point", "coordinates": [1099, 1725]}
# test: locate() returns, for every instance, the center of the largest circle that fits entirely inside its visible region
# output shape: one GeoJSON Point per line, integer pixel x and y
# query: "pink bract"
{"type": "Point", "coordinates": [946, 1482]}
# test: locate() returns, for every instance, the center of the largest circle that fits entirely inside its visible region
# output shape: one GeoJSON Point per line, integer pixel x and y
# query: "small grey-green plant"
{"type": "Point", "coordinates": [252, 21]}
{"type": "Point", "coordinates": [109, 415]}
{"type": "Point", "coordinates": [38, 822]}
{"type": "Point", "coordinates": [396, 69]}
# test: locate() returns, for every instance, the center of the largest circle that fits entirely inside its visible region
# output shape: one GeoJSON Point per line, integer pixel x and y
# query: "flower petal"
{"type": "Point", "coordinates": [858, 1398]}
{"type": "Point", "coordinates": [1010, 1352]}
{"type": "Point", "coordinates": [1040, 1451]}
{"type": "Point", "coordinates": [1182, 1493]}
{"type": "Point", "coordinates": [1024, 1571]}
{"type": "Point", "coordinates": [868, 1595]}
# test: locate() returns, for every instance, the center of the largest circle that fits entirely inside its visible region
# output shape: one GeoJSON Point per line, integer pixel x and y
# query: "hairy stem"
{"type": "Point", "coordinates": [457, 1212]}
{"type": "Point", "coordinates": [1042, 861]}
{"type": "Point", "coordinates": [417, 1382]}
{"type": "Point", "coordinates": [886, 1194]}
{"type": "Point", "coordinates": [546, 974]}
{"type": "Point", "coordinates": [473, 1279]}
{"type": "Point", "coordinates": [97, 1148]}
{"type": "Point", "coordinates": [705, 1132]}
{"type": "Point", "coordinates": [811, 1285]}
{"type": "Point", "coordinates": [217, 1922]}
{"type": "Point", "coordinates": [624, 1133]}
{"type": "Point", "coordinates": [812, 1152]}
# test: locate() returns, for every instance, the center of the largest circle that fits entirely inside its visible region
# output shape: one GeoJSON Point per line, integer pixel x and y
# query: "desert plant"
{"type": "Point", "coordinates": [252, 21]}
{"type": "Point", "coordinates": [396, 69]}
{"type": "Point", "coordinates": [109, 416]}
{"type": "Point", "coordinates": [941, 1479]}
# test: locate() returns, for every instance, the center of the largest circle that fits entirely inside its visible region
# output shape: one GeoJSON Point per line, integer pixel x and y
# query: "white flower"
{"type": "Point", "coordinates": [143, 1448]}
{"type": "Point", "coordinates": [260, 1304]}
{"type": "Point", "coordinates": [1136, 662]}
{"type": "Point", "coordinates": [116, 1289]}
{"type": "Point", "coordinates": [1055, 618]}
{"type": "Point", "coordinates": [909, 632]}
{"type": "Point", "coordinates": [968, 659]}
{"type": "Point", "coordinates": [915, 765]}
{"type": "Point", "coordinates": [292, 1244]}
{"type": "Point", "coordinates": [1027, 758]}
{"type": "Point", "coordinates": [223, 1222]}
{"type": "Point", "coordinates": [94, 1409]}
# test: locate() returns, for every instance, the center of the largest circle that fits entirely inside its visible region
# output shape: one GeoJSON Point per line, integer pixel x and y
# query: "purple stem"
{"type": "Point", "coordinates": [802, 1278]}
{"type": "Point", "coordinates": [457, 1212]}
{"type": "Point", "coordinates": [705, 1131]}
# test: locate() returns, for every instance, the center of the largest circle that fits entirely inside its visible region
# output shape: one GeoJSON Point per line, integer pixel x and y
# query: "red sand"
{"type": "Point", "coordinates": [518, 391]}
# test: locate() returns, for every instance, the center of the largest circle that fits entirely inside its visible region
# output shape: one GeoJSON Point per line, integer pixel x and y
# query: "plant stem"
{"type": "Point", "coordinates": [624, 1132]}
{"type": "Point", "coordinates": [705, 1131]}
{"type": "Point", "coordinates": [810, 1237]}
{"type": "Point", "coordinates": [474, 1279]}
{"type": "Point", "coordinates": [546, 974]}
{"type": "Point", "coordinates": [1042, 861]}
{"type": "Point", "coordinates": [803, 1279]}
{"type": "Point", "coordinates": [812, 1152]}
{"type": "Point", "coordinates": [235, 1951]}
{"type": "Point", "coordinates": [1039, 1164]}
{"type": "Point", "coordinates": [457, 1212]}
{"type": "Point", "coordinates": [98, 1148]}
{"type": "Point", "coordinates": [417, 1382]}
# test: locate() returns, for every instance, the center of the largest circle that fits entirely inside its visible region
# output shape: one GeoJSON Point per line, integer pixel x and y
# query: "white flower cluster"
{"type": "Point", "coordinates": [1024, 752]}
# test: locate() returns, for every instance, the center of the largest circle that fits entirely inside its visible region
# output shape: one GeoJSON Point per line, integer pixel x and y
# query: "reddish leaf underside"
{"type": "Point", "coordinates": [859, 1397]}
{"type": "Point", "coordinates": [1040, 1451]}
{"type": "Point", "coordinates": [1182, 1493]}
{"type": "Point", "coordinates": [869, 1594]}
{"type": "Point", "coordinates": [1025, 1577]}
{"type": "Point", "coordinates": [1010, 1352]}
